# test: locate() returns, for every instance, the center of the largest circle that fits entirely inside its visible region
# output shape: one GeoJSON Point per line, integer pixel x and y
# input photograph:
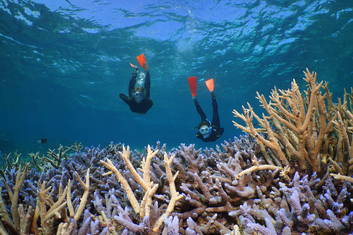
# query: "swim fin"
{"type": "Point", "coordinates": [193, 85]}
{"type": "Point", "coordinates": [210, 84]}
{"type": "Point", "coordinates": [141, 59]}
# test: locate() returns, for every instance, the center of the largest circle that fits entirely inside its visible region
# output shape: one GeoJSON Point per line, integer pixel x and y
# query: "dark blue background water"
{"type": "Point", "coordinates": [63, 63]}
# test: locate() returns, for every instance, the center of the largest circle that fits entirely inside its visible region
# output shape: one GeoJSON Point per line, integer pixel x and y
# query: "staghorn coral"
{"type": "Point", "coordinates": [58, 209]}
{"type": "Point", "coordinates": [207, 179]}
{"type": "Point", "coordinates": [144, 207]}
{"type": "Point", "coordinates": [53, 157]}
{"type": "Point", "coordinates": [296, 207]}
{"type": "Point", "coordinates": [215, 200]}
{"type": "Point", "coordinates": [13, 220]}
{"type": "Point", "coordinates": [10, 160]}
{"type": "Point", "coordinates": [307, 129]}
{"type": "Point", "coordinates": [213, 192]}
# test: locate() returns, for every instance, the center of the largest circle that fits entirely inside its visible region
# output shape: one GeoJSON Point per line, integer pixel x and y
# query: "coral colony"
{"type": "Point", "coordinates": [291, 174]}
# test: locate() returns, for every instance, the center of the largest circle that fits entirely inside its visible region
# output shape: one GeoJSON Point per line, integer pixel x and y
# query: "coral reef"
{"type": "Point", "coordinates": [305, 132]}
{"type": "Point", "coordinates": [291, 175]}
{"type": "Point", "coordinates": [185, 191]}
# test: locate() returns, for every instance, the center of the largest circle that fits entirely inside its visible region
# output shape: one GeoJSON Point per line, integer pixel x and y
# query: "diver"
{"type": "Point", "coordinates": [139, 88]}
{"type": "Point", "coordinates": [206, 131]}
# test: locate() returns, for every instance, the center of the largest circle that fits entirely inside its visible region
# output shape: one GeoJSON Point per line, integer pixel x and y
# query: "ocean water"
{"type": "Point", "coordinates": [63, 64]}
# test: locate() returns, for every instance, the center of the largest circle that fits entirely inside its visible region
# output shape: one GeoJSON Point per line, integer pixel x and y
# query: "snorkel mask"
{"type": "Point", "coordinates": [205, 131]}
{"type": "Point", "coordinates": [138, 96]}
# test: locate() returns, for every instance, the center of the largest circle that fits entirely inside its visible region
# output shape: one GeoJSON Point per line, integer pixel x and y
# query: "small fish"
{"type": "Point", "coordinates": [42, 141]}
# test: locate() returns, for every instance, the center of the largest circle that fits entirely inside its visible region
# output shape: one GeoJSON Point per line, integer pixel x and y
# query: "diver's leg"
{"type": "Point", "coordinates": [148, 84]}
{"type": "Point", "coordinates": [215, 118]}
{"type": "Point", "coordinates": [199, 110]}
{"type": "Point", "coordinates": [132, 82]}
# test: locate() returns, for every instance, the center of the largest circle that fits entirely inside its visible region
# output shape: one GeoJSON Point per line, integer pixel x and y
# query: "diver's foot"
{"type": "Point", "coordinates": [133, 66]}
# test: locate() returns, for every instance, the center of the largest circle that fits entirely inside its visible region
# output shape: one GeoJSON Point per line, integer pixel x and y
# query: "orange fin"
{"type": "Point", "coordinates": [141, 59]}
{"type": "Point", "coordinates": [210, 84]}
{"type": "Point", "coordinates": [193, 85]}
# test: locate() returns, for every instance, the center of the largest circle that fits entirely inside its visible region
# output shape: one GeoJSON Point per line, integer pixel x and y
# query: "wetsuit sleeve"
{"type": "Point", "coordinates": [124, 98]}
{"type": "Point", "coordinates": [215, 118]}
{"type": "Point", "coordinates": [199, 110]}
{"type": "Point", "coordinates": [132, 82]}
{"type": "Point", "coordinates": [148, 84]}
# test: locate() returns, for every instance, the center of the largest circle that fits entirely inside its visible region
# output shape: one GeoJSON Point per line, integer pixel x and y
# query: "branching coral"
{"type": "Point", "coordinates": [301, 130]}
{"type": "Point", "coordinates": [13, 221]}
{"type": "Point", "coordinates": [49, 211]}
{"type": "Point", "coordinates": [143, 208]}
{"type": "Point", "coordinates": [296, 207]}
{"type": "Point", "coordinates": [85, 185]}
{"type": "Point", "coordinates": [54, 157]}
{"type": "Point", "coordinates": [11, 160]}
{"type": "Point", "coordinates": [344, 126]}
{"type": "Point", "coordinates": [208, 182]}
{"type": "Point", "coordinates": [230, 189]}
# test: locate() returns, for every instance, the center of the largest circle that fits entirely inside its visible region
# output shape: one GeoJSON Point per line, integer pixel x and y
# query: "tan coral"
{"type": "Point", "coordinates": [257, 168]}
{"type": "Point", "coordinates": [342, 177]}
{"type": "Point", "coordinates": [47, 213]}
{"type": "Point", "coordinates": [298, 127]}
{"type": "Point", "coordinates": [13, 220]}
{"type": "Point", "coordinates": [47, 210]}
{"type": "Point", "coordinates": [143, 208]}
{"type": "Point", "coordinates": [85, 185]}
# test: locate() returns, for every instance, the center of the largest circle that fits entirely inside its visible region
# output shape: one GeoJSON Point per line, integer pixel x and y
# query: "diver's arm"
{"type": "Point", "coordinates": [199, 110]}
{"type": "Point", "coordinates": [148, 84]}
{"type": "Point", "coordinates": [215, 118]}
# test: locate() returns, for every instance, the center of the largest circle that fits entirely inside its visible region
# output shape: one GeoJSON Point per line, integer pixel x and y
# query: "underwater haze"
{"type": "Point", "coordinates": [64, 63]}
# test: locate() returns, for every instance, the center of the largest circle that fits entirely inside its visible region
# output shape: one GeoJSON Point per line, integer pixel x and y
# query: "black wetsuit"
{"type": "Point", "coordinates": [217, 130]}
{"type": "Point", "coordinates": [146, 103]}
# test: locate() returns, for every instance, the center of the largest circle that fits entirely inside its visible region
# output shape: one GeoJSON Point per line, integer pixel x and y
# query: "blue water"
{"type": "Point", "coordinates": [63, 64]}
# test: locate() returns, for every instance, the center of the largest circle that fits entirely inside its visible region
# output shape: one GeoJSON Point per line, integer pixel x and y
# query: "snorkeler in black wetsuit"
{"type": "Point", "coordinates": [206, 131]}
{"type": "Point", "coordinates": [139, 88]}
